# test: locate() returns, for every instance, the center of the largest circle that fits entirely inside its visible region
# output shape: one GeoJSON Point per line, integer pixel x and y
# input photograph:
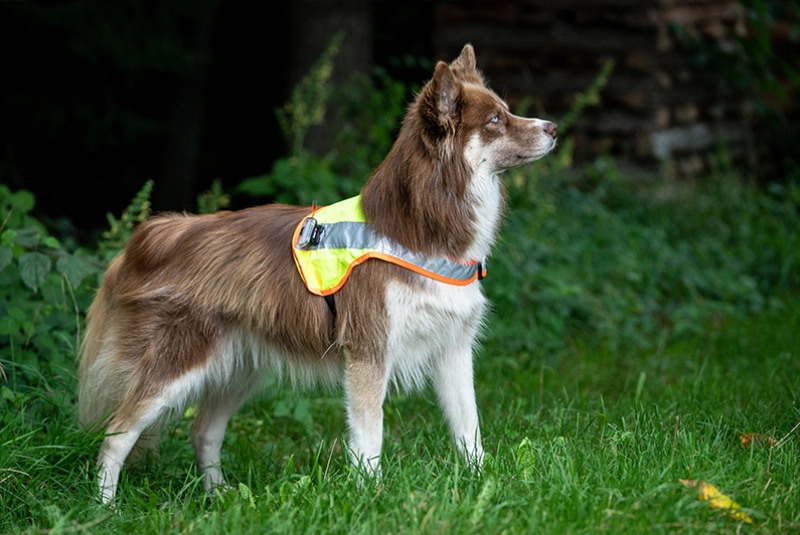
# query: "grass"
{"type": "Point", "coordinates": [633, 340]}
{"type": "Point", "coordinates": [593, 441]}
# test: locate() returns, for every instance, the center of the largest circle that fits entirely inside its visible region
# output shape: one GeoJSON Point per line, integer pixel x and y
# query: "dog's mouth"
{"type": "Point", "coordinates": [519, 159]}
{"type": "Point", "coordinates": [536, 153]}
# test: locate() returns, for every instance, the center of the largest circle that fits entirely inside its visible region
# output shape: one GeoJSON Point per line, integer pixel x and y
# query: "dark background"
{"type": "Point", "coordinates": [100, 96]}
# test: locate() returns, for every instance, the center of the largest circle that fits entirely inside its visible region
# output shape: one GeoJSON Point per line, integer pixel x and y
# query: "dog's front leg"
{"type": "Point", "coordinates": [366, 381]}
{"type": "Point", "coordinates": [453, 382]}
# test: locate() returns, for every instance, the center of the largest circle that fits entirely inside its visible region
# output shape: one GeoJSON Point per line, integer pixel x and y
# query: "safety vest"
{"type": "Point", "coordinates": [332, 240]}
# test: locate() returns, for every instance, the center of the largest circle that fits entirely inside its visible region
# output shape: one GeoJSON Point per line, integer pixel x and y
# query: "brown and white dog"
{"type": "Point", "coordinates": [200, 308]}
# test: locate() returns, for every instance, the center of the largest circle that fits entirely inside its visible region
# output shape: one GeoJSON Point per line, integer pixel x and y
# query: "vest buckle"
{"type": "Point", "coordinates": [310, 234]}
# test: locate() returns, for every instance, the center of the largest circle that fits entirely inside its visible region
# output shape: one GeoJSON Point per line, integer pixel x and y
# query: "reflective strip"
{"type": "Point", "coordinates": [361, 236]}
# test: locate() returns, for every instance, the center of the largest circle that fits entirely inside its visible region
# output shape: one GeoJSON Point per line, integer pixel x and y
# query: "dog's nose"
{"type": "Point", "coordinates": [551, 129]}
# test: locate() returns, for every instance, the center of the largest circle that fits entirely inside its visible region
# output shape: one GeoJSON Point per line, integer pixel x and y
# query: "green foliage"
{"type": "Point", "coordinates": [301, 177]}
{"type": "Point", "coordinates": [590, 97]}
{"type": "Point", "coordinates": [306, 105]}
{"type": "Point", "coordinates": [42, 289]}
{"type": "Point", "coordinates": [119, 230]}
{"type": "Point", "coordinates": [45, 289]}
{"type": "Point", "coordinates": [368, 112]}
{"type": "Point", "coordinates": [213, 200]}
{"type": "Point", "coordinates": [608, 258]}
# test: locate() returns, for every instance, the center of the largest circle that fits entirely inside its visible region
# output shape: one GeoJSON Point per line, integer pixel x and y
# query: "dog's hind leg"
{"type": "Point", "coordinates": [208, 429]}
{"type": "Point", "coordinates": [122, 436]}
{"type": "Point", "coordinates": [453, 382]}
{"type": "Point", "coordinates": [140, 412]}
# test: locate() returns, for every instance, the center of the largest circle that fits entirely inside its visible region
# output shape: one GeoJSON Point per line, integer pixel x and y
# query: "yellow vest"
{"type": "Point", "coordinates": [332, 240]}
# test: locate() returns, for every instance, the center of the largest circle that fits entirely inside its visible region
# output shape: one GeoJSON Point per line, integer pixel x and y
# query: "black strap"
{"type": "Point", "coordinates": [331, 304]}
{"type": "Point", "coordinates": [481, 266]}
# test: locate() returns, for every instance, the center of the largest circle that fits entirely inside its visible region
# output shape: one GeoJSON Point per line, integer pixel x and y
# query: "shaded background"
{"type": "Point", "coordinates": [100, 96]}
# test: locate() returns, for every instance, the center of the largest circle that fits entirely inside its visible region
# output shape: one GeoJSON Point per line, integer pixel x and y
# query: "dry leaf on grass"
{"type": "Point", "coordinates": [750, 439]}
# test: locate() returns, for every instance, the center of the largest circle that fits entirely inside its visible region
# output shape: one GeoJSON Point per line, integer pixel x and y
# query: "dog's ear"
{"type": "Point", "coordinates": [446, 89]}
{"type": "Point", "coordinates": [465, 62]}
{"type": "Point", "coordinates": [439, 104]}
{"type": "Point", "coordinates": [464, 66]}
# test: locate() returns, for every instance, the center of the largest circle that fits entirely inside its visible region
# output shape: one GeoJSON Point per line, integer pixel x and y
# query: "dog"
{"type": "Point", "coordinates": [197, 309]}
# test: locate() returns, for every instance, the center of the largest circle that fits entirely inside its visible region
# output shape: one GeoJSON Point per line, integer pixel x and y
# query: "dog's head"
{"type": "Point", "coordinates": [442, 171]}
{"type": "Point", "coordinates": [458, 112]}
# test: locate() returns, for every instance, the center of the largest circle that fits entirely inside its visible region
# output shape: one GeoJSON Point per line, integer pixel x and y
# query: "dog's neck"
{"type": "Point", "coordinates": [487, 196]}
{"type": "Point", "coordinates": [435, 204]}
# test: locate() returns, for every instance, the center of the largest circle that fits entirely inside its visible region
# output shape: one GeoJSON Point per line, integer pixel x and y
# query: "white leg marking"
{"type": "Point", "coordinates": [453, 382]}
{"type": "Point", "coordinates": [124, 434]}
{"type": "Point", "coordinates": [112, 456]}
{"type": "Point", "coordinates": [365, 391]}
{"type": "Point", "coordinates": [115, 450]}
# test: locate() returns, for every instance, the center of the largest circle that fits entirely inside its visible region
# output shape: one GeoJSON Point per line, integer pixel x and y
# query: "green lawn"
{"type": "Point", "coordinates": [583, 441]}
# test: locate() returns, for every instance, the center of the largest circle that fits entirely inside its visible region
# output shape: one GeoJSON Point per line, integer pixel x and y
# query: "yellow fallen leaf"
{"type": "Point", "coordinates": [717, 500]}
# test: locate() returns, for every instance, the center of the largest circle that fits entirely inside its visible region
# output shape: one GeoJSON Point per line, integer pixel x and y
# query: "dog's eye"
{"type": "Point", "coordinates": [495, 119]}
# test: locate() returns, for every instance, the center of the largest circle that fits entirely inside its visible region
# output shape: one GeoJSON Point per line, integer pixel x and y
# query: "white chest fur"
{"type": "Point", "coordinates": [427, 323]}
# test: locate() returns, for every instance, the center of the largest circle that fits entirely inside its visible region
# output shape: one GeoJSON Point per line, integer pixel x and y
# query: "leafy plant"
{"type": "Point", "coordinates": [588, 98]}
{"type": "Point", "coordinates": [43, 289]}
{"type": "Point", "coordinates": [306, 105]}
{"type": "Point", "coordinates": [213, 200]}
{"type": "Point", "coordinates": [368, 112]}
{"type": "Point", "coordinates": [119, 230]}
{"type": "Point", "coordinates": [603, 258]}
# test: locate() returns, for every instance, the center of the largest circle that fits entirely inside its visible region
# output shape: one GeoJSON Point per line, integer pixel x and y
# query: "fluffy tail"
{"type": "Point", "coordinates": [104, 376]}
{"type": "Point", "coordinates": [101, 384]}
